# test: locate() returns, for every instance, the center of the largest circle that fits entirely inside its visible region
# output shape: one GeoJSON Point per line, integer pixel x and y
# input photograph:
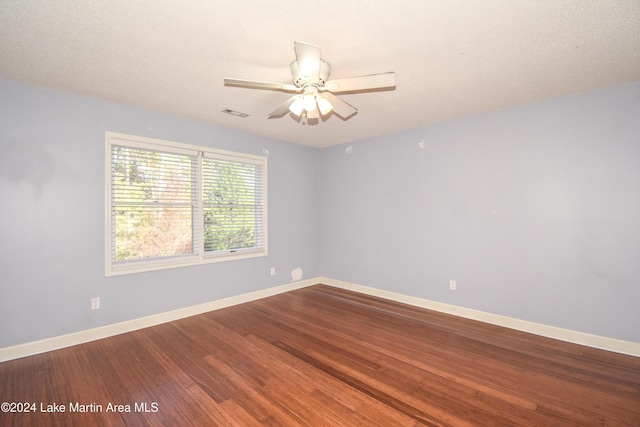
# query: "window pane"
{"type": "Point", "coordinates": [152, 203]}
{"type": "Point", "coordinates": [232, 205]}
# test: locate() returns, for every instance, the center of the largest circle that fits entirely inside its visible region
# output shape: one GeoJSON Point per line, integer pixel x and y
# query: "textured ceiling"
{"type": "Point", "coordinates": [451, 58]}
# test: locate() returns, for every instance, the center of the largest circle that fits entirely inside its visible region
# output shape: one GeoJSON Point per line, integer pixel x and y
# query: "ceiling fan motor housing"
{"type": "Point", "coordinates": [302, 81]}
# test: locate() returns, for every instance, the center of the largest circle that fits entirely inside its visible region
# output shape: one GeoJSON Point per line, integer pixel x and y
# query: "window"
{"type": "Point", "coordinates": [171, 204]}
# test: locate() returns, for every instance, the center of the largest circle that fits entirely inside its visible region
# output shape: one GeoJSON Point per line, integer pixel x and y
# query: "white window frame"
{"type": "Point", "coordinates": [199, 256]}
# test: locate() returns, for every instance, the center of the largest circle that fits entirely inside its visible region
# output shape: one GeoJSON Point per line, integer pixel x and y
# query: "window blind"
{"type": "Point", "coordinates": [154, 204]}
{"type": "Point", "coordinates": [233, 205]}
{"type": "Point", "coordinates": [171, 204]}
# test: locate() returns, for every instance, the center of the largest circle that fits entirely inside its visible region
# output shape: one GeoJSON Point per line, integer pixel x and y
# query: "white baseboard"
{"type": "Point", "coordinates": [604, 343]}
{"type": "Point", "coordinates": [49, 344]}
{"type": "Point", "coordinates": [55, 343]}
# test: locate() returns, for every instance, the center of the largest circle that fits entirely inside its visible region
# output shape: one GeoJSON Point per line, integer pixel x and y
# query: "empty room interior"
{"type": "Point", "coordinates": [384, 213]}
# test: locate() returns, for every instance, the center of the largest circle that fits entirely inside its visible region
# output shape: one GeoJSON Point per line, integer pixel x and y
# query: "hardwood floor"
{"type": "Point", "coordinates": [322, 356]}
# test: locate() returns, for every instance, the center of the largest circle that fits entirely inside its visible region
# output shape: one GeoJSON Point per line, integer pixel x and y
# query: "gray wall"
{"type": "Point", "coordinates": [52, 216]}
{"type": "Point", "coordinates": [533, 210]}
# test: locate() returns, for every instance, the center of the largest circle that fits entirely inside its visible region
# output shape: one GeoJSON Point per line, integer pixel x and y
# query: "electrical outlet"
{"type": "Point", "coordinates": [452, 285]}
{"type": "Point", "coordinates": [95, 303]}
{"type": "Point", "coordinates": [273, 271]}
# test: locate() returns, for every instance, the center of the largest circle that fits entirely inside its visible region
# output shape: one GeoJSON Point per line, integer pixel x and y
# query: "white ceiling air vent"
{"type": "Point", "coordinates": [235, 113]}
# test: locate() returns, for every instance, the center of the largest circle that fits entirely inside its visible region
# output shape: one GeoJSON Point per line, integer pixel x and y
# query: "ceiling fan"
{"type": "Point", "coordinates": [315, 92]}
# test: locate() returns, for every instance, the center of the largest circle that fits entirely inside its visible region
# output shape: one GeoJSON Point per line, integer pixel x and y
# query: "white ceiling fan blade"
{"type": "Point", "coordinates": [362, 83]}
{"type": "Point", "coordinates": [262, 85]}
{"type": "Point", "coordinates": [340, 107]}
{"type": "Point", "coordinates": [283, 108]}
{"type": "Point", "coordinates": [308, 57]}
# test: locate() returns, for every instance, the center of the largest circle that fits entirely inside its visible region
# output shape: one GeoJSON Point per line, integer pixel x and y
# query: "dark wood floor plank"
{"type": "Point", "coordinates": [327, 356]}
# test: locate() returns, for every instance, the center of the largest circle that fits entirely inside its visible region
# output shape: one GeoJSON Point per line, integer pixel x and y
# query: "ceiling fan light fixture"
{"type": "Point", "coordinates": [309, 102]}
{"type": "Point", "coordinates": [297, 106]}
{"type": "Point", "coordinates": [324, 105]}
